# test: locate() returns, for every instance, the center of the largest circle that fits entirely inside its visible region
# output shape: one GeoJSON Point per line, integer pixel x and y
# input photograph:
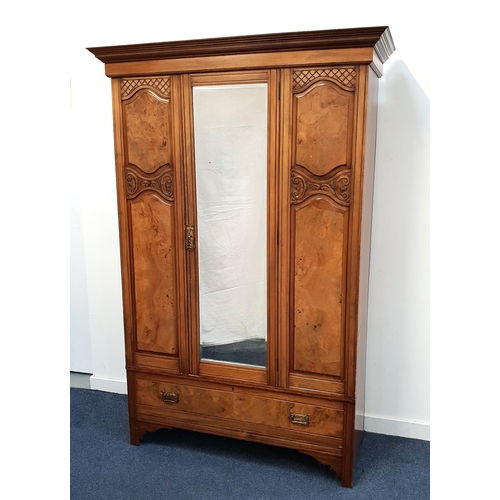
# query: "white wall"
{"type": "Point", "coordinates": [80, 345]}
{"type": "Point", "coordinates": [398, 371]}
{"type": "Point", "coordinates": [397, 398]}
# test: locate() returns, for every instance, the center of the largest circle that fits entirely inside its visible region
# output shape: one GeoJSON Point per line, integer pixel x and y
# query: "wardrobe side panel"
{"type": "Point", "coordinates": [365, 249]}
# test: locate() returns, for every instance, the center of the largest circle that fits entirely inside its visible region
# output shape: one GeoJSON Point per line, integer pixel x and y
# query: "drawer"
{"type": "Point", "coordinates": [271, 410]}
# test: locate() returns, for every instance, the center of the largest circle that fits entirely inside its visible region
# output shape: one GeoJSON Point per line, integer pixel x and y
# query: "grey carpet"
{"type": "Point", "coordinates": [181, 465]}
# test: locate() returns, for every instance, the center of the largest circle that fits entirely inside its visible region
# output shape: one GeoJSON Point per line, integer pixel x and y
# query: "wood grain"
{"type": "Point", "coordinates": [361, 55]}
{"type": "Point", "coordinates": [179, 222]}
{"type": "Point", "coordinates": [153, 274]}
{"type": "Point", "coordinates": [284, 242]}
{"type": "Point", "coordinates": [305, 443]}
{"type": "Point", "coordinates": [319, 228]}
{"type": "Point", "coordinates": [144, 360]}
{"type": "Point", "coordinates": [272, 227]}
{"type": "Point", "coordinates": [125, 253]}
{"type": "Point", "coordinates": [147, 127]}
{"type": "Point", "coordinates": [313, 382]}
{"type": "Point", "coordinates": [321, 127]}
{"type": "Point", "coordinates": [242, 407]}
{"type": "Point", "coordinates": [191, 219]}
{"type": "Point", "coordinates": [378, 38]}
{"type": "Point", "coordinates": [233, 372]}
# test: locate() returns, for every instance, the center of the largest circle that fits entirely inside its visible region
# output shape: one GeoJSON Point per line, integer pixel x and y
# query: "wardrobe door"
{"type": "Point", "coordinates": [319, 172]}
{"type": "Point", "coordinates": [232, 219]}
{"type": "Point", "coordinates": [151, 221]}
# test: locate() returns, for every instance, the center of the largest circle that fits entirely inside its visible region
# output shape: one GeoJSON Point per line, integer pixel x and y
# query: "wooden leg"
{"type": "Point", "coordinates": [347, 479]}
{"type": "Point", "coordinates": [135, 436]}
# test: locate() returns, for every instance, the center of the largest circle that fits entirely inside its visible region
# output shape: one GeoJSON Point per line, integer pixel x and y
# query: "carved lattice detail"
{"type": "Point", "coordinates": [130, 86]}
{"type": "Point", "coordinates": [335, 185]}
{"type": "Point", "coordinates": [161, 182]}
{"type": "Point", "coordinates": [345, 77]}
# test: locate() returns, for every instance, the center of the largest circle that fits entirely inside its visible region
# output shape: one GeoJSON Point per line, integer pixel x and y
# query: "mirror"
{"type": "Point", "coordinates": [230, 136]}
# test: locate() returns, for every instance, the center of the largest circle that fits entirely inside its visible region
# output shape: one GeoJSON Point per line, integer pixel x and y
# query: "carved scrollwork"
{"type": "Point", "coordinates": [335, 185]}
{"type": "Point", "coordinates": [136, 181]}
{"type": "Point", "coordinates": [299, 187]}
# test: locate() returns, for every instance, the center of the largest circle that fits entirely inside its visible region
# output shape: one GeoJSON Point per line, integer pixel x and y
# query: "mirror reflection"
{"type": "Point", "coordinates": [230, 134]}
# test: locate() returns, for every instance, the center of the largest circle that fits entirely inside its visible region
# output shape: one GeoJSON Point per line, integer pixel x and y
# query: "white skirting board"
{"type": "Point", "coordinates": [108, 385]}
{"type": "Point", "coordinates": [377, 425]}
{"type": "Point", "coordinates": [401, 428]}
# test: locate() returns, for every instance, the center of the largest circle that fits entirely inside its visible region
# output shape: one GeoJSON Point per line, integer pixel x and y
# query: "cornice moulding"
{"type": "Point", "coordinates": [377, 37]}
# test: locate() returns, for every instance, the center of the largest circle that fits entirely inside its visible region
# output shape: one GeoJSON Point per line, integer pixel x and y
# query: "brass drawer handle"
{"type": "Point", "coordinates": [298, 418]}
{"type": "Point", "coordinates": [170, 397]}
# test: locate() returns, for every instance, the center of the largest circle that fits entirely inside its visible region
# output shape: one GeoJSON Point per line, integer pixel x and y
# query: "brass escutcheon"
{"type": "Point", "coordinates": [190, 237]}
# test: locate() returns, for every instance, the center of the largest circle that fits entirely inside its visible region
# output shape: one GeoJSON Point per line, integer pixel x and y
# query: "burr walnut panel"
{"type": "Point", "coordinates": [320, 229]}
{"type": "Point", "coordinates": [148, 126]}
{"type": "Point", "coordinates": [322, 127]}
{"type": "Point", "coordinates": [153, 275]}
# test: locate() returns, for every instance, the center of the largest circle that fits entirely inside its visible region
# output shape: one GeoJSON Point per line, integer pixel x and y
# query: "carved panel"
{"type": "Point", "coordinates": [319, 275]}
{"type": "Point", "coordinates": [160, 182]}
{"type": "Point", "coordinates": [129, 86]}
{"type": "Point", "coordinates": [321, 132]}
{"type": "Point", "coordinates": [335, 185]}
{"type": "Point", "coordinates": [148, 124]}
{"type": "Point", "coordinates": [345, 77]}
{"type": "Point", "coordinates": [151, 225]}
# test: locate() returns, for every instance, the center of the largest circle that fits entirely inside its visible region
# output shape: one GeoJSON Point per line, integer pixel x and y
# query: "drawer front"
{"type": "Point", "coordinates": [240, 406]}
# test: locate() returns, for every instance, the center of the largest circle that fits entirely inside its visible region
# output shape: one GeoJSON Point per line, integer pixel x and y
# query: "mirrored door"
{"type": "Point", "coordinates": [230, 145]}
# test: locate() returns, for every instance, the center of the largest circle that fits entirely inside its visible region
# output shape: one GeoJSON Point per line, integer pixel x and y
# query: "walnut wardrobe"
{"type": "Point", "coordinates": [244, 170]}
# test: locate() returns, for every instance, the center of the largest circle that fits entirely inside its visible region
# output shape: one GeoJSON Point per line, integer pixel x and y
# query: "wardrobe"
{"type": "Point", "coordinates": [245, 169]}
